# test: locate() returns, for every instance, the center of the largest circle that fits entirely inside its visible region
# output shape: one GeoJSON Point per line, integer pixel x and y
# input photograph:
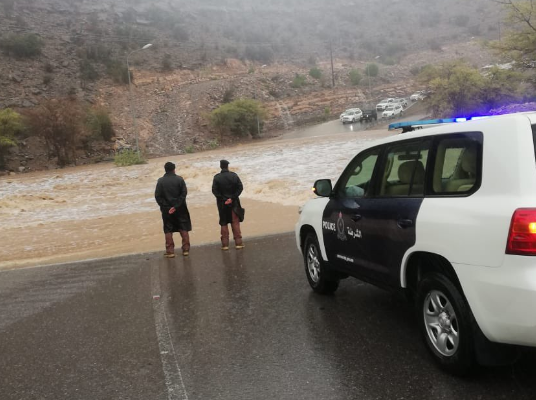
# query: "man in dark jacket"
{"type": "Point", "coordinates": [170, 194]}
{"type": "Point", "coordinates": [227, 187]}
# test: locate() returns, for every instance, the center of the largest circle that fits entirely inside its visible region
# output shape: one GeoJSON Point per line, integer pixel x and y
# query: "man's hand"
{"type": "Point", "coordinates": [172, 210]}
{"type": "Point", "coordinates": [228, 201]}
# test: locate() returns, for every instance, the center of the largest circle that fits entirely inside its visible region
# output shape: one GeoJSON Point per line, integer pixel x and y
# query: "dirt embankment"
{"type": "Point", "coordinates": [171, 108]}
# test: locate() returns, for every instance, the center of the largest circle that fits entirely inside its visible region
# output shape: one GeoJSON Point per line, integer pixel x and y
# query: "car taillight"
{"type": "Point", "coordinates": [522, 235]}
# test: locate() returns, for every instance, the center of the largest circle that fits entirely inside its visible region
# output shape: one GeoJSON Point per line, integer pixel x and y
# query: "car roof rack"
{"type": "Point", "coordinates": [410, 126]}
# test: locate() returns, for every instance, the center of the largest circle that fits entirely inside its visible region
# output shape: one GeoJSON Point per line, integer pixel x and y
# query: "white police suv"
{"type": "Point", "coordinates": [447, 215]}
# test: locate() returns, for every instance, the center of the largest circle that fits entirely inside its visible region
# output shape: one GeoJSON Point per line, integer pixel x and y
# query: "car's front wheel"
{"type": "Point", "coordinates": [320, 278]}
{"type": "Point", "coordinates": [446, 323]}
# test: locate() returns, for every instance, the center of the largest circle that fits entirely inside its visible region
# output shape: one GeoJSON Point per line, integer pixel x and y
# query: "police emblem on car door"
{"type": "Point", "coordinates": [341, 234]}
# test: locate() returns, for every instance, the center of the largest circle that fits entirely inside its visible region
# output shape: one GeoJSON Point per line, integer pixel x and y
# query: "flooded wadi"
{"type": "Point", "coordinates": [103, 210]}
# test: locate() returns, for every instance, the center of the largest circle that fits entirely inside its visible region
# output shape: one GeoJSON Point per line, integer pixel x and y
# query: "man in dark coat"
{"type": "Point", "coordinates": [227, 187]}
{"type": "Point", "coordinates": [170, 194]}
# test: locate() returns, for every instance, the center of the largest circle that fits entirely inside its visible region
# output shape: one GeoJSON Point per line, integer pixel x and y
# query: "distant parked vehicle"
{"type": "Point", "coordinates": [354, 115]}
{"type": "Point", "coordinates": [382, 105]}
{"type": "Point", "coordinates": [416, 96]}
{"type": "Point", "coordinates": [347, 111]}
{"type": "Point", "coordinates": [425, 94]}
{"type": "Point", "coordinates": [369, 115]}
{"type": "Point", "coordinates": [393, 111]}
{"type": "Point", "coordinates": [402, 101]}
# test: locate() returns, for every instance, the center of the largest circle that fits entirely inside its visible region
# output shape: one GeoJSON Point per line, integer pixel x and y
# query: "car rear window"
{"type": "Point", "coordinates": [457, 167]}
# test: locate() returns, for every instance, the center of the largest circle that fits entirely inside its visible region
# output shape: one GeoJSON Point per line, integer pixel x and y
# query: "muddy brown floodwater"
{"type": "Point", "coordinates": [102, 210]}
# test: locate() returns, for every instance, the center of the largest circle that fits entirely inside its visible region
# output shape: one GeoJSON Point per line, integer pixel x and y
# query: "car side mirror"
{"type": "Point", "coordinates": [323, 188]}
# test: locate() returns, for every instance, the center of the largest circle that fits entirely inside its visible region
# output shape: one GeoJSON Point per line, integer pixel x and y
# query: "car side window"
{"type": "Point", "coordinates": [457, 165]}
{"type": "Point", "coordinates": [404, 170]}
{"type": "Point", "coordinates": [356, 179]}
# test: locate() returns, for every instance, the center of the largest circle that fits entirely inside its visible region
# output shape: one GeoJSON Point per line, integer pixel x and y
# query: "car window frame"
{"type": "Point", "coordinates": [371, 192]}
{"type": "Point", "coordinates": [477, 136]}
{"type": "Point", "coordinates": [385, 152]}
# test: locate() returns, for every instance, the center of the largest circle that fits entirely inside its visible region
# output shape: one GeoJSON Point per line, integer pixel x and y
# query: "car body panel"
{"type": "Point", "coordinates": [357, 246]}
{"type": "Point", "coordinates": [311, 216]}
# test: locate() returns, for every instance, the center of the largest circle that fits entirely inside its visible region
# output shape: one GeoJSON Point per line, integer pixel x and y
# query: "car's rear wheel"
{"type": "Point", "coordinates": [446, 323]}
{"type": "Point", "coordinates": [320, 278]}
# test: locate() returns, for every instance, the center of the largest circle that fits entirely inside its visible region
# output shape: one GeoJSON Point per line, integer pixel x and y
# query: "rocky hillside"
{"type": "Point", "coordinates": [206, 49]}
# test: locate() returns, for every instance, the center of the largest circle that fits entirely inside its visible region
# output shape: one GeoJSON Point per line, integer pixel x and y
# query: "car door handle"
{"type": "Point", "coordinates": [404, 223]}
{"type": "Point", "coordinates": [355, 217]}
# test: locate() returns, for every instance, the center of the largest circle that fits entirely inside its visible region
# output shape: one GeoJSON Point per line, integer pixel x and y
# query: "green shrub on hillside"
{"type": "Point", "coordinates": [167, 65]}
{"type": "Point", "coordinates": [88, 71]}
{"type": "Point", "coordinates": [118, 71]}
{"type": "Point", "coordinates": [239, 118]}
{"type": "Point", "coordinates": [99, 124]}
{"type": "Point", "coordinates": [315, 72]}
{"type": "Point", "coordinates": [10, 125]}
{"type": "Point", "coordinates": [415, 70]}
{"type": "Point", "coordinates": [372, 70]}
{"type": "Point", "coordinates": [48, 68]}
{"type": "Point", "coordinates": [129, 157]}
{"type": "Point", "coordinates": [24, 46]}
{"type": "Point", "coordinates": [355, 77]}
{"type": "Point", "coordinates": [47, 79]}
{"type": "Point", "coordinates": [327, 113]}
{"type": "Point", "coordinates": [96, 52]}
{"type": "Point", "coordinates": [213, 144]}
{"type": "Point", "coordinates": [229, 94]}
{"type": "Point", "coordinates": [299, 81]}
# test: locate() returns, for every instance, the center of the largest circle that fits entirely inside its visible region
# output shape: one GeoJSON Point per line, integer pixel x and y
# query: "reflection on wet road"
{"type": "Point", "coordinates": [240, 325]}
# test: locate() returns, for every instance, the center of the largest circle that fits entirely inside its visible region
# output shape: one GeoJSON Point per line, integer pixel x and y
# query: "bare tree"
{"type": "Point", "coordinates": [520, 40]}
{"type": "Point", "coordinates": [60, 124]}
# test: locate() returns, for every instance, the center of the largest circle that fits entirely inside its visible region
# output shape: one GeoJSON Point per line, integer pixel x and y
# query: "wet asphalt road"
{"type": "Point", "coordinates": [236, 325]}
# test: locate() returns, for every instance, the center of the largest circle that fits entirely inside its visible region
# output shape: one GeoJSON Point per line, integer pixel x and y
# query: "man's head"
{"type": "Point", "coordinates": [224, 164]}
{"type": "Point", "coordinates": [169, 167]}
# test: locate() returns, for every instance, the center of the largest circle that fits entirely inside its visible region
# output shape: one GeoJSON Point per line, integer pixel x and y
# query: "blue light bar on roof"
{"type": "Point", "coordinates": [410, 125]}
{"type": "Point", "coordinates": [482, 117]}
